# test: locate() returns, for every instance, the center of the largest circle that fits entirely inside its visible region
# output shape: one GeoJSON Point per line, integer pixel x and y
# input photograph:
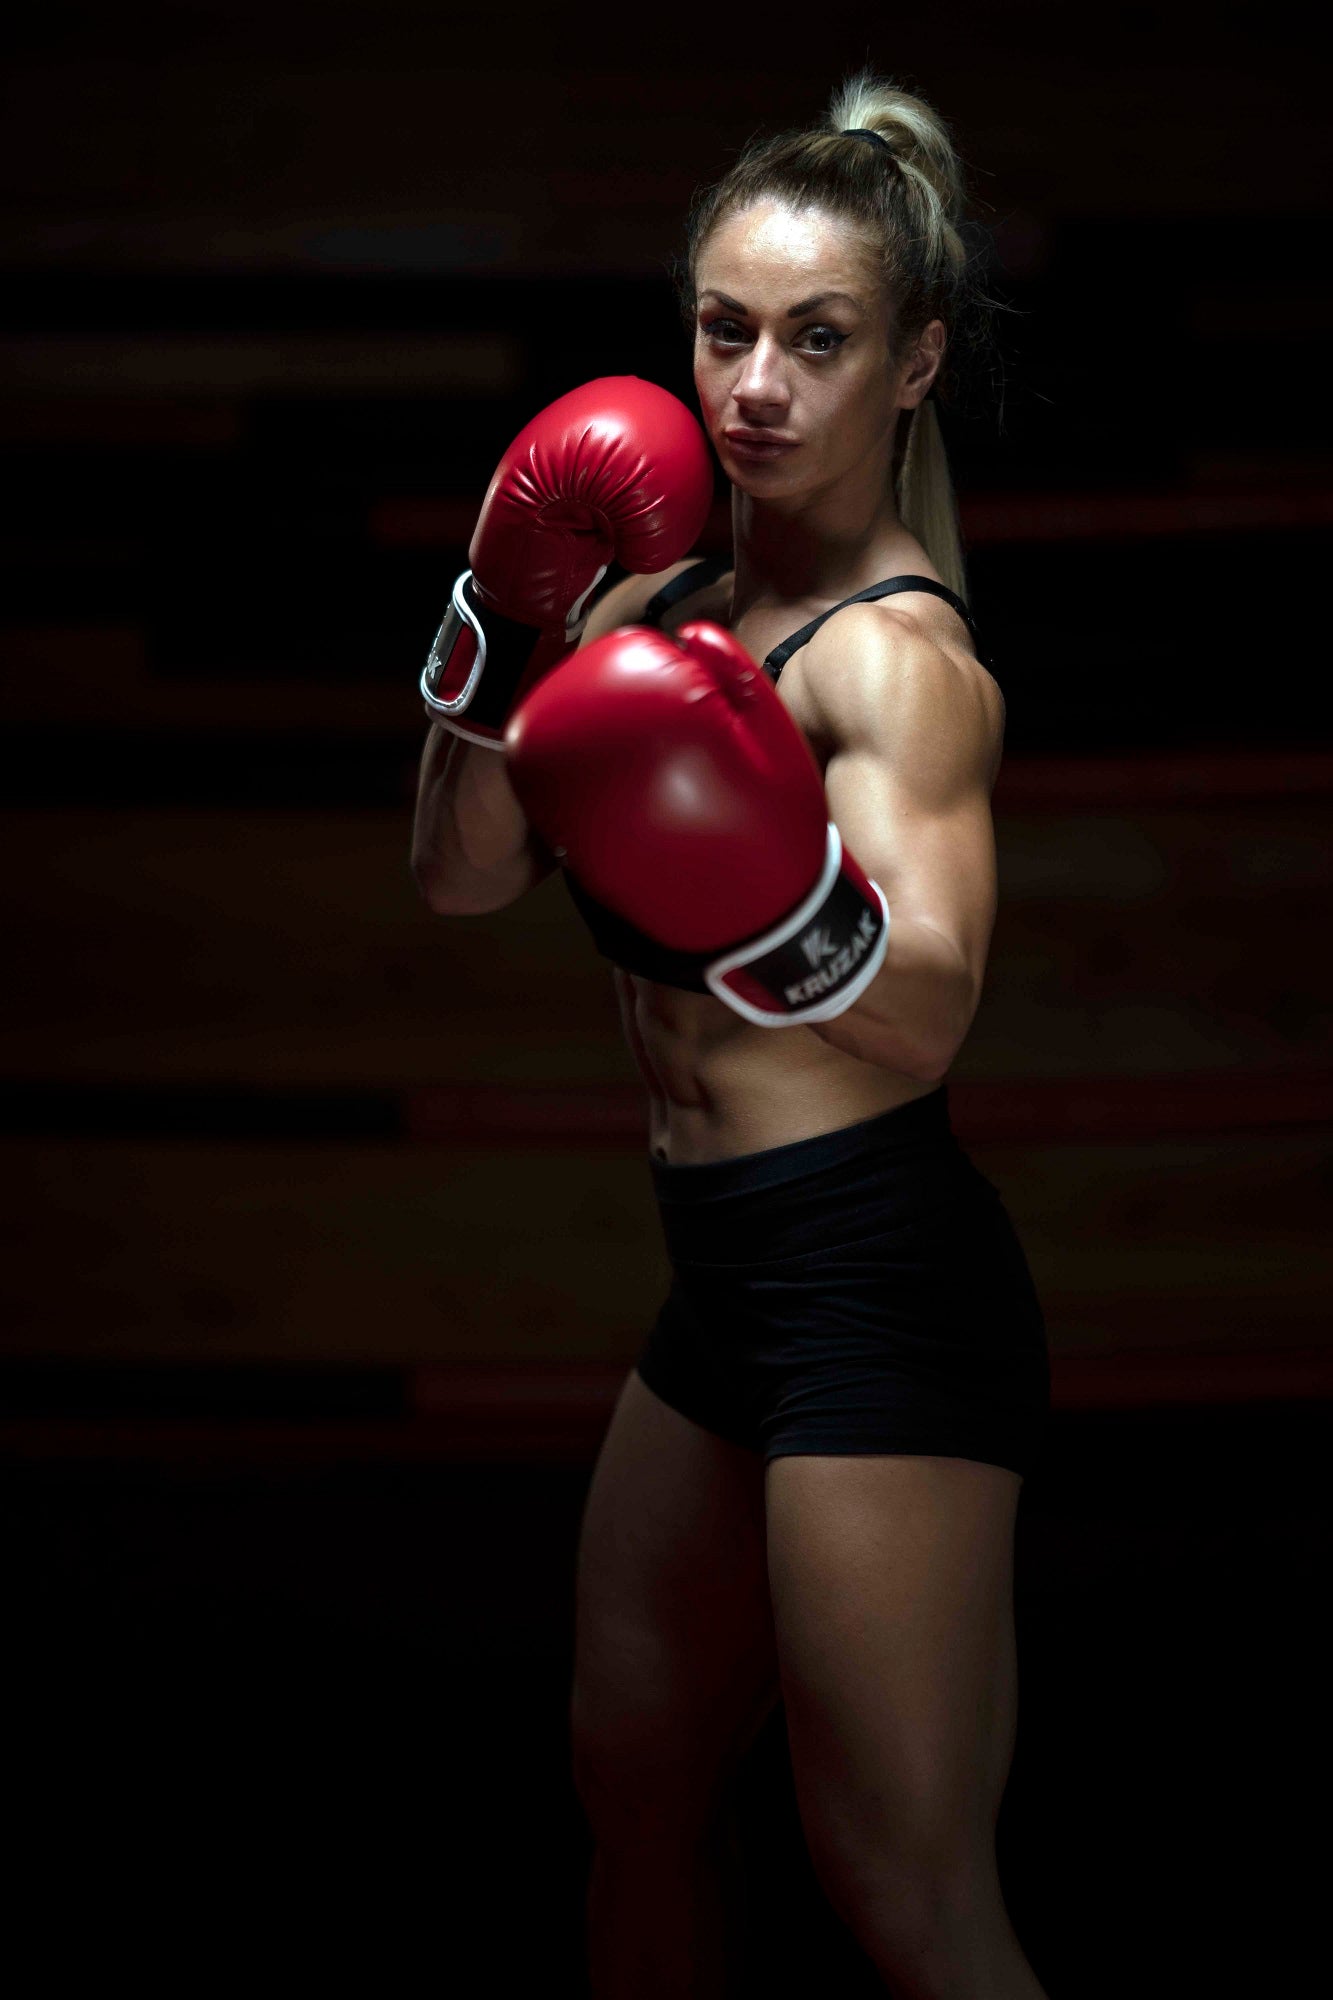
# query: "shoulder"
{"type": "Point", "coordinates": [882, 678]}
{"type": "Point", "coordinates": [626, 601]}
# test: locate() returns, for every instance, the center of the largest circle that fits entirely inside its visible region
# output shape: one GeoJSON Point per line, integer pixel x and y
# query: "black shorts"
{"type": "Point", "coordinates": [860, 1291]}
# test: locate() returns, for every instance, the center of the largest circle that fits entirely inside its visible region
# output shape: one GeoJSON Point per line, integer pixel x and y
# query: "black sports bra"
{"type": "Point", "coordinates": [700, 574]}
{"type": "Point", "coordinates": [613, 937]}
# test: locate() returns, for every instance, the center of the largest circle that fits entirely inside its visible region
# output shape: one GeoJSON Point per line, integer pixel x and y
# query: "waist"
{"type": "Point", "coordinates": [891, 1140]}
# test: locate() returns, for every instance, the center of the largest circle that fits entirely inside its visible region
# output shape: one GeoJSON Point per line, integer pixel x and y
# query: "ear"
{"type": "Point", "coordinates": [923, 367]}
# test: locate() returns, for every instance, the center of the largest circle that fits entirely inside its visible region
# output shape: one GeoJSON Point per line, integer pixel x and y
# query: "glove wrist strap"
{"type": "Point", "coordinates": [475, 665]}
{"type": "Point", "coordinates": [819, 960]}
{"type": "Point", "coordinates": [480, 659]}
{"type": "Point", "coordinates": [811, 967]}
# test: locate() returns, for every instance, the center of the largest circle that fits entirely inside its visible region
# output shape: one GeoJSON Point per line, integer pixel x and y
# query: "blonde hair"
{"type": "Point", "coordinates": [909, 200]}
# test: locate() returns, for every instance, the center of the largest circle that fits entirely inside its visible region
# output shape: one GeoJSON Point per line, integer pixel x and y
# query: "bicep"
{"type": "Point", "coordinates": [934, 861]}
{"type": "Point", "coordinates": [913, 739]}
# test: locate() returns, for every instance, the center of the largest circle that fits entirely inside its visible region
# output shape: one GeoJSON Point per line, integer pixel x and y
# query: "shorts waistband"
{"type": "Point", "coordinates": [907, 1128]}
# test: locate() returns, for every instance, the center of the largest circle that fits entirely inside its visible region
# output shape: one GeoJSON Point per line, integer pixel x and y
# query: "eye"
{"type": "Point", "coordinates": [828, 336]}
{"type": "Point", "coordinates": [727, 331]}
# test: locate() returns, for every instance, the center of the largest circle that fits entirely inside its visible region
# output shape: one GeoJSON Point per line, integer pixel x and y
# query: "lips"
{"type": "Point", "coordinates": [759, 444]}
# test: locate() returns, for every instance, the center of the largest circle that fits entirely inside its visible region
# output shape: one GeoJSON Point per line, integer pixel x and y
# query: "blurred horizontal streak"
{"type": "Point", "coordinates": [99, 675]}
{"type": "Point", "coordinates": [1045, 1109]}
{"type": "Point", "coordinates": [1241, 313]}
{"type": "Point", "coordinates": [208, 1446]}
{"type": "Point", "coordinates": [988, 519]}
{"type": "Point", "coordinates": [603, 1114]}
{"type": "Point", "coordinates": [562, 1398]}
{"type": "Point", "coordinates": [1157, 1377]}
{"type": "Point", "coordinates": [599, 1114]}
{"type": "Point", "coordinates": [423, 523]}
{"type": "Point", "coordinates": [1139, 1107]}
{"type": "Point", "coordinates": [216, 1113]}
{"type": "Point", "coordinates": [557, 1412]}
{"type": "Point", "coordinates": [123, 422]}
{"type": "Point", "coordinates": [173, 365]}
{"type": "Point", "coordinates": [1163, 778]}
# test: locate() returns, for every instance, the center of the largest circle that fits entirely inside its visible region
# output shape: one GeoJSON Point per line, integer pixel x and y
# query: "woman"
{"type": "Point", "coordinates": [809, 1484]}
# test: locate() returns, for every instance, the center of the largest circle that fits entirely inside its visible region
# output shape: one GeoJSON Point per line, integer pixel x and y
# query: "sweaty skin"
{"type": "Point", "coordinates": [812, 524]}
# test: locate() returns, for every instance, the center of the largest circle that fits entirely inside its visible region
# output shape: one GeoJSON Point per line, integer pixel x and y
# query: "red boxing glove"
{"type": "Point", "coordinates": [617, 468]}
{"type": "Point", "coordinates": [670, 777]}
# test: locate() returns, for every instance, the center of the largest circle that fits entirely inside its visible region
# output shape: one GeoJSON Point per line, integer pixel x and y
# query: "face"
{"type": "Point", "coordinates": [791, 352]}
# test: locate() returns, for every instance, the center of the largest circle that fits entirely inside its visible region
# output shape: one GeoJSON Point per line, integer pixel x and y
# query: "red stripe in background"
{"type": "Point", "coordinates": [1204, 777]}
{"type": "Point", "coordinates": [988, 519]}
{"type": "Point", "coordinates": [1048, 1110]}
{"type": "Point", "coordinates": [573, 1399]}
{"type": "Point", "coordinates": [556, 1412]}
{"type": "Point", "coordinates": [992, 518]}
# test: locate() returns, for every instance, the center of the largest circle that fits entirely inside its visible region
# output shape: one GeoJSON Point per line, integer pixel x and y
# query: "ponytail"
{"type": "Point", "coordinates": [924, 492]}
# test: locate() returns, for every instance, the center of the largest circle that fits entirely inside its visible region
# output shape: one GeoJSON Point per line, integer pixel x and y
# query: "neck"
{"type": "Point", "coordinates": [818, 548]}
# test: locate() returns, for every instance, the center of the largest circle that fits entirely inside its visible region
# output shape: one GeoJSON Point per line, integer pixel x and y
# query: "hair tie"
{"type": "Point", "coordinates": [858, 132]}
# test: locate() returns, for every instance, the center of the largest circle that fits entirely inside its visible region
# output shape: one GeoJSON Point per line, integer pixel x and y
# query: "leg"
{"type": "Point", "coordinates": [892, 1589]}
{"type": "Point", "coordinates": [675, 1670]}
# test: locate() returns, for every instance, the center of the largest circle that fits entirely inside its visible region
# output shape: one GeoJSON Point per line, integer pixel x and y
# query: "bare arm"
{"type": "Point", "coordinates": [916, 737]}
{"type": "Point", "coordinates": [472, 847]}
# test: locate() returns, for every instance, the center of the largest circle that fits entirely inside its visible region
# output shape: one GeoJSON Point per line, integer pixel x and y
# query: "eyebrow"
{"type": "Point", "coordinates": [793, 312]}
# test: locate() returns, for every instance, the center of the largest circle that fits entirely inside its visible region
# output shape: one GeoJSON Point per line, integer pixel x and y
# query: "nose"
{"type": "Point", "coordinates": [760, 387]}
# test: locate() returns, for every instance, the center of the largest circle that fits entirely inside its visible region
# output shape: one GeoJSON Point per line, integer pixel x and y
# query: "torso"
{"type": "Point", "coordinates": [717, 1085]}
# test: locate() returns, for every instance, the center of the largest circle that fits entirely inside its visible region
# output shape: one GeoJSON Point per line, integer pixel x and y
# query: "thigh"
{"type": "Point", "coordinates": [892, 1591]}
{"type": "Point", "coordinates": [675, 1664]}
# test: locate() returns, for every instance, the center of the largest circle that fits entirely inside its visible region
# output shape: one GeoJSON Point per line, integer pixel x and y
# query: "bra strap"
{"type": "Point", "coordinates": [780, 655]}
{"type": "Point", "coordinates": [697, 577]}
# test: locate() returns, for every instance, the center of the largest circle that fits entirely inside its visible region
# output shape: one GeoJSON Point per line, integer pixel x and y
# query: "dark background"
{"type": "Point", "coordinates": [328, 1236]}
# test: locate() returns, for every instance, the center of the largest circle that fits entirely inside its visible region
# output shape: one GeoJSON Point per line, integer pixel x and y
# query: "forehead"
{"type": "Point", "coordinates": [778, 252]}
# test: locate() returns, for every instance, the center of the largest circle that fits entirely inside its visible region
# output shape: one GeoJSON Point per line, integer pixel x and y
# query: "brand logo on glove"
{"type": "Point", "coordinates": [815, 945]}
{"type": "Point", "coordinates": [818, 944]}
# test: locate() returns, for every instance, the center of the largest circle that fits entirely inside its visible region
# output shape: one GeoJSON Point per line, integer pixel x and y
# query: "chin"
{"type": "Point", "coordinates": [764, 481]}
{"type": "Point", "coordinates": [782, 495]}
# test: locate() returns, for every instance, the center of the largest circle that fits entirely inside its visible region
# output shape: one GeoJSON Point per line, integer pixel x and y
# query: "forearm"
{"type": "Point", "coordinates": [472, 846]}
{"type": "Point", "coordinates": [917, 1009]}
